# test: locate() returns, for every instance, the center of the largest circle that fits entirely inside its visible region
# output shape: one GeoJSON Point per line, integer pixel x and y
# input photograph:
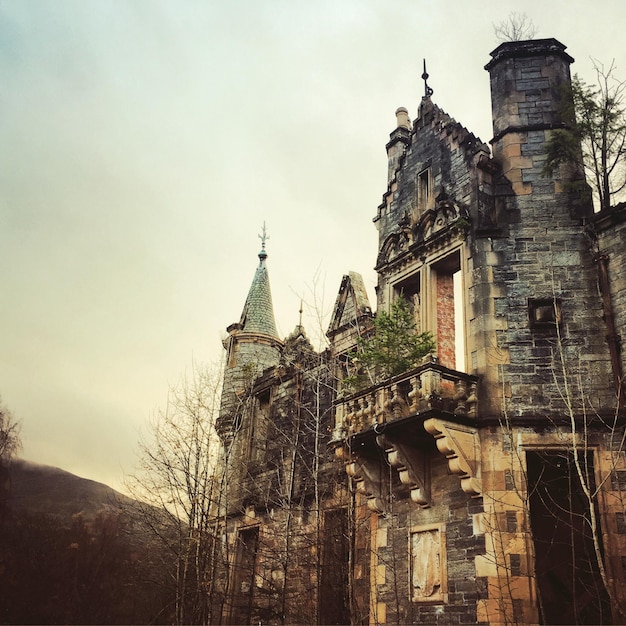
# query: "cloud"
{"type": "Point", "coordinates": [145, 142]}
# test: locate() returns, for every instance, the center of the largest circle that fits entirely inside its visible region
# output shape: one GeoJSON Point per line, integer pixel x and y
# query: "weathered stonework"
{"type": "Point", "coordinates": [425, 498]}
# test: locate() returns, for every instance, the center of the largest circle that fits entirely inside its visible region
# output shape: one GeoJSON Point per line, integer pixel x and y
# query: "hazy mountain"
{"type": "Point", "coordinates": [44, 489]}
{"type": "Point", "coordinates": [76, 551]}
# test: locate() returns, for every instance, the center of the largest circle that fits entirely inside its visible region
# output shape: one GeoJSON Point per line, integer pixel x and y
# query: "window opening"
{"type": "Point", "coordinates": [423, 189]}
{"type": "Point", "coordinates": [459, 321]}
{"type": "Point", "coordinates": [409, 289]}
{"type": "Point", "coordinates": [259, 427]}
{"type": "Point", "coordinates": [544, 312]}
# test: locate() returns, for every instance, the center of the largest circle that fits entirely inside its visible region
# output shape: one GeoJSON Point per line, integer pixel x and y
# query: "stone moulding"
{"type": "Point", "coordinates": [426, 387]}
{"type": "Point", "coordinates": [368, 480]}
{"type": "Point", "coordinates": [393, 414]}
{"type": "Point", "coordinates": [461, 446]}
{"type": "Point", "coordinates": [411, 466]}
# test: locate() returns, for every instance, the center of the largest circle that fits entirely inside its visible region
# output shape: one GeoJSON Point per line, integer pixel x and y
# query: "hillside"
{"type": "Point", "coordinates": [74, 551]}
{"type": "Point", "coordinates": [44, 489]}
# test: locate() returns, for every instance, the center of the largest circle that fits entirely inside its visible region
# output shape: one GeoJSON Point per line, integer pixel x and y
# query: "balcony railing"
{"type": "Point", "coordinates": [428, 402]}
{"type": "Point", "coordinates": [428, 386]}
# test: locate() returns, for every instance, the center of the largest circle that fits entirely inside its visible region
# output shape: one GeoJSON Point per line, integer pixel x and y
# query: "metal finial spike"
{"type": "Point", "coordinates": [427, 90]}
{"type": "Point", "coordinates": [263, 236]}
{"type": "Point", "coordinates": [300, 322]}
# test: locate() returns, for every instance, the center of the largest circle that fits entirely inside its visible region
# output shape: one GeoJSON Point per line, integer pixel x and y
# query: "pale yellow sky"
{"type": "Point", "coordinates": [142, 145]}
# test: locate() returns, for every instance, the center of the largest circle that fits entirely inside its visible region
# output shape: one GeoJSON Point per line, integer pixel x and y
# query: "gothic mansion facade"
{"type": "Point", "coordinates": [485, 485]}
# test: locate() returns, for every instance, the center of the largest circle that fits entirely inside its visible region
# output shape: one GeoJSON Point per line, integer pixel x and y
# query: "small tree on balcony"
{"type": "Point", "coordinates": [394, 347]}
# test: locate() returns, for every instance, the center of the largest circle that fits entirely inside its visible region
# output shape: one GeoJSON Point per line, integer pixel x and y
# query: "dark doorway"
{"type": "Point", "coordinates": [333, 601]}
{"type": "Point", "coordinates": [568, 578]}
{"type": "Point", "coordinates": [243, 576]}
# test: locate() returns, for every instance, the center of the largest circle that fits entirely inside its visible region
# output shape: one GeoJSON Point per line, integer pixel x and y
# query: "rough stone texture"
{"type": "Point", "coordinates": [451, 511]}
{"type": "Point", "coordinates": [546, 252]}
{"type": "Point", "coordinates": [609, 232]}
{"type": "Point", "coordinates": [284, 483]}
{"type": "Point", "coordinates": [439, 452]}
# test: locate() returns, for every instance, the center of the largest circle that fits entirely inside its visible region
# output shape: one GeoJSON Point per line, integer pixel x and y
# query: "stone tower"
{"type": "Point", "coordinates": [521, 285]}
{"type": "Point", "coordinates": [544, 274]}
{"type": "Point", "coordinates": [252, 346]}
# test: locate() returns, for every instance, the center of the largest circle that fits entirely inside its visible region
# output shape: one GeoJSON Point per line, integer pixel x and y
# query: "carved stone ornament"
{"type": "Point", "coordinates": [411, 465]}
{"type": "Point", "coordinates": [369, 481]}
{"type": "Point", "coordinates": [426, 570]}
{"type": "Point", "coordinates": [435, 221]}
{"type": "Point", "coordinates": [442, 220]}
{"type": "Point", "coordinates": [461, 446]}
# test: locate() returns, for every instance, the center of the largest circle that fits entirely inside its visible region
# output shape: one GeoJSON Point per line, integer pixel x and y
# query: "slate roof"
{"type": "Point", "coordinates": [258, 312]}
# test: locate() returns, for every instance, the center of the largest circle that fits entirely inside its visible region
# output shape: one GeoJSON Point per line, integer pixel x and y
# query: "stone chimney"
{"type": "Point", "coordinates": [399, 139]}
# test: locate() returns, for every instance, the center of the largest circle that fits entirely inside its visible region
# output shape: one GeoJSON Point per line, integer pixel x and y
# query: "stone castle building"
{"type": "Point", "coordinates": [485, 485]}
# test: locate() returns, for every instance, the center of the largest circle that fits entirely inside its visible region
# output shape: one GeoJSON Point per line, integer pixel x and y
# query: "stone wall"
{"type": "Point", "coordinates": [610, 229]}
{"type": "Point", "coordinates": [404, 555]}
{"type": "Point", "coordinates": [543, 253]}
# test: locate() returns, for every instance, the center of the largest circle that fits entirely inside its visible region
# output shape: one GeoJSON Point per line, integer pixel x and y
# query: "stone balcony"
{"type": "Point", "coordinates": [403, 418]}
{"type": "Point", "coordinates": [427, 387]}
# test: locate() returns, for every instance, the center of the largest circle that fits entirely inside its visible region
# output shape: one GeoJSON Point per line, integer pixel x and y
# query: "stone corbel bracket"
{"type": "Point", "coordinates": [461, 446]}
{"type": "Point", "coordinates": [411, 466]}
{"type": "Point", "coordinates": [368, 480]}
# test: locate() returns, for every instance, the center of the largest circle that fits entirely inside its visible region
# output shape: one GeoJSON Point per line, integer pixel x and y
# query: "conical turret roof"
{"type": "Point", "coordinates": [258, 312]}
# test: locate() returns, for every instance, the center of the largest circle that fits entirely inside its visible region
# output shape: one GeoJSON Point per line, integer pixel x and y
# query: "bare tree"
{"type": "Point", "coordinates": [516, 27]}
{"type": "Point", "coordinates": [181, 492]}
{"type": "Point", "coordinates": [562, 483]}
{"type": "Point", "coordinates": [594, 140]}
{"type": "Point", "coordinates": [10, 442]}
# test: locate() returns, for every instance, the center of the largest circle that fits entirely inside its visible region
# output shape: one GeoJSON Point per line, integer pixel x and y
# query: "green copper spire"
{"type": "Point", "coordinates": [258, 312]}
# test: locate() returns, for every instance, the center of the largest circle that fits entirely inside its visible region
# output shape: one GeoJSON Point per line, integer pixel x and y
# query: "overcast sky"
{"type": "Point", "coordinates": [144, 143]}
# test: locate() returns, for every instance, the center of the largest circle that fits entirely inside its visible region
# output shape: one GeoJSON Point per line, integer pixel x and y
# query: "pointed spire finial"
{"type": "Point", "coordinates": [427, 90]}
{"type": "Point", "coordinates": [300, 321]}
{"type": "Point", "coordinates": [263, 237]}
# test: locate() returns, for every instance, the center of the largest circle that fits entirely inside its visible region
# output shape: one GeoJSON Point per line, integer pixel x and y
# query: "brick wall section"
{"type": "Point", "coordinates": [445, 320]}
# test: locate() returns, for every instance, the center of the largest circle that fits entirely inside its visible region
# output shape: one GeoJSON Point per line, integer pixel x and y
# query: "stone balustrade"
{"type": "Point", "coordinates": [428, 386]}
